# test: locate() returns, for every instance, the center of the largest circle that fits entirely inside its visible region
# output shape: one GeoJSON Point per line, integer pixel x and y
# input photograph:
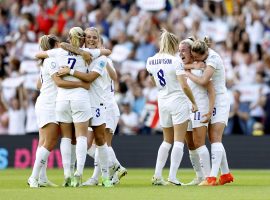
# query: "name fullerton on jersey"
{"type": "Point", "coordinates": [160, 61]}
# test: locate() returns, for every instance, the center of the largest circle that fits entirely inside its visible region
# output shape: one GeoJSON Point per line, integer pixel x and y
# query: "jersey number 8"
{"type": "Point", "coordinates": [160, 76]}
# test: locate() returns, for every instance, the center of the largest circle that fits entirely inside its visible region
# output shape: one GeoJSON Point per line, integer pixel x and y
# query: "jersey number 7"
{"type": "Point", "coordinates": [72, 62]}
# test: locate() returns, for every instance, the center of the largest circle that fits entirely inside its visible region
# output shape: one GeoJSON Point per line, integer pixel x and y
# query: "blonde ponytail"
{"type": "Point", "coordinates": [76, 34]}
{"type": "Point", "coordinates": [168, 42]}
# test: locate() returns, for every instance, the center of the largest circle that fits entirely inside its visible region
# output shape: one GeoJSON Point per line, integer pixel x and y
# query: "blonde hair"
{"type": "Point", "coordinates": [189, 41]}
{"type": "Point", "coordinates": [201, 46]}
{"type": "Point", "coordinates": [97, 32]}
{"type": "Point", "coordinates": [168, 42]}
{"type": "Point", "coordinates": [76, 34]}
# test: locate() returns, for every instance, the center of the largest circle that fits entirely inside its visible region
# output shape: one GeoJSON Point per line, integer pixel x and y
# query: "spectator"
{"type": "Point", "coordinates": [129, 121]}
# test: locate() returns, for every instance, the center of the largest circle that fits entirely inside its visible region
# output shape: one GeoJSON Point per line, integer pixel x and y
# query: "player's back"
{"type": "Point", "coordinates": [76, 62]}
{"type": "Point", "coordinates": [164, 67]}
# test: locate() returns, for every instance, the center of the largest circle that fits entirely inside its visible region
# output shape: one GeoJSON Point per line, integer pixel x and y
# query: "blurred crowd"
{"type": "Point", "coordinates": [239, 30]}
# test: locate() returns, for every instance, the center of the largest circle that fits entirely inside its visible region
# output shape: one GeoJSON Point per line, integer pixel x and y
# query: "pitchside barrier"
{"type": "Point", "coordinates": [139, 151]}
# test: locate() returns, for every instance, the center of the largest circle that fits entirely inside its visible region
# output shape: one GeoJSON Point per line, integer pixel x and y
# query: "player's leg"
{"type": "Point", "coordinates": [103, 154]}
{"type": "Point", "coordinates": [194, 158]}
{"type": "Point", "coordinates": [216, 132]}
{"type": "Point", "coordinates": [199, 136]}
{"type": "Point", "coordinates": [163, 153]}
{"type": "Point", "coordinates": [81, 151]}
{"type": "Point", "coordinates": [51, 138]}
{"type": "Point", "coordinates": [90, 143]}
{"type": "Point", "coordinates": [93, 180]}
{"type": "Point", "coordinates": [65, 148]}
{"type": "Point", "coordinates": [40, 161]}
{"type": "Point", "coordinates": [117, 171]}
{"type": "Point", "coordinates": [73, 152]}
{"type": "Point", "coordinates": [177, 151]}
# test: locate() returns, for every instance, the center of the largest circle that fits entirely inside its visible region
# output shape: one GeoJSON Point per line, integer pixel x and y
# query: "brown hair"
{"type": "Point", "coordinates": [48, 42]}
{"type": "Point", "coordinates": [201, 46]}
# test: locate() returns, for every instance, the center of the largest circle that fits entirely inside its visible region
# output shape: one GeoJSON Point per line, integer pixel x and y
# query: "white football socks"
{"type": "Point", "coordinates": [224, 167]}
{"type": "Point", "coordinates": [162, 157]}
{"type": "Point", "coordinates": [112, 156]}
{"type": "Point", "coordinates": [204, 160]}
{"type": "Point", "coordinates": [43, 172]}
{"type": "Point", "coordinates": [65, 148]}
{"type": "Point", "coordinates": [81, 150]}
{"type": "Point", "coordinates": [41, 158]}
{"type": "Point", "coordinates": [97, 170]}
{"type": "Point", "coordinates": [91, 151]}
{"type": "Point", "coordinates": [176, 158]}
{"type": "Point", "coordinates": [216, 157]}
{"type": "Point", "coordinates": [195, 161]}
{"type": "Point", "coordinates": [73, 158]}
{"type": "Point", "coordinates": [103, 156]}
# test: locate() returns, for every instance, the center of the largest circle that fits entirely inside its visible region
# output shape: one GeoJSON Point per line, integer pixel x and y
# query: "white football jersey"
{"type": "Point", "coordinates": [165, 68]}
{"type": "Point", "coordinates": [48, 90]}
{"type": "Point", "coordinates": [76, 62]}
{"type": "Point", "coordinates": [97, 87]}
{"type": "Point", "coordinates": [199, 92]}
{"type": "Point", "coordinates": [218, 78]}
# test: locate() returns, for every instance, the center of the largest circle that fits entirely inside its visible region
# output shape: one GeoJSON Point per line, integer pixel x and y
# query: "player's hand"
{"type": "Point", "coordinates": [206, 118]}
{"type": "Point", "coordinates": [63, 71]}
{"type": "Point", "coordinates": [194, 108]}
{"type": "Point", "coordinates": [87, 57]}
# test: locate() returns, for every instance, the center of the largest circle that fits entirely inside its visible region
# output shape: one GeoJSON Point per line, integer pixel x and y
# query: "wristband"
{"type": "Point", "coordinates": [71, 72]}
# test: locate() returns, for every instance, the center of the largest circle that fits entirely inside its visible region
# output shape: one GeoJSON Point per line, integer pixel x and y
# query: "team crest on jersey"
{"type": "Point", "coordinates": [53, 65]}
{"type": "Point", "coordinates": [102, 64]}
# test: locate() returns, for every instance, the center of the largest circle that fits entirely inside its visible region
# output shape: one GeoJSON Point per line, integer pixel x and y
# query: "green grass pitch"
{"type": "Point", "coordinates": [248, 185]}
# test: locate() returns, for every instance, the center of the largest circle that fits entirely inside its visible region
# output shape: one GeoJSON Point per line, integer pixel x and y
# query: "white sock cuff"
{"type": "Point", "coordinates": [91, 151]}
{"type": "Point", "coordinates": [202, 149]}
{"type": "Point", "coordinates": [166, 145]}
{"type": "Point", "coordinates": [178, 144]}
{"type": "Point", "coordinates": [193, 152]}
{"type": "Point", "coordinates": [102, 146]}
{"type": "Point", "coordinates": [217, 146]}
{"type": "Point", "coordinates": [43, 149]}
{"type": "Point", "coordinates": [64, 139]}
{"type": "Point", "coordinates": [81, 138]}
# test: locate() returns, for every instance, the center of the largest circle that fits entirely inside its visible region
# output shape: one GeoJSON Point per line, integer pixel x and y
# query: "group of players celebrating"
{"type": "Point", "coordinates": [77, 96]}
{"type": "Point", "coordinates": [193, 101]}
